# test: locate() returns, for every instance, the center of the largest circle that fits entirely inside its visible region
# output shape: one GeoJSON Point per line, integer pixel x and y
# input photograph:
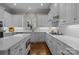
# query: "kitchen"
{"type": "Point", "coordinates": [39, 28]}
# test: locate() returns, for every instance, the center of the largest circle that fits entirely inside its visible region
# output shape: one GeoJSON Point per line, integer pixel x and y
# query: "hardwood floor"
{"type": "Point", "coordinates": [39, 48]}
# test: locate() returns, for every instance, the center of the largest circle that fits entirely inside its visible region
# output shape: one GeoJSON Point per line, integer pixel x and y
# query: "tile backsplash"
{"type": "Point", "coordinates": [71, 30]}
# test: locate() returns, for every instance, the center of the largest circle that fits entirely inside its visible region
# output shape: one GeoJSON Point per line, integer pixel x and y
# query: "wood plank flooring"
{"type": "Point", "coordinates": [39, 48]}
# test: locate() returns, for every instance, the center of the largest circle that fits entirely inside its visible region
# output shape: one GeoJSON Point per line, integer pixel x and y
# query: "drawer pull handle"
{"type": "Point", "coordinates": [59, 43]}
{"type": "Point", "coordinates": [70, 52]}
{"type": "Point", "coordinates": [20, 49]}
{"type": "Point", "coordinates": [16, 47]}
{"type": "Point", "coordinates": [62, 53]}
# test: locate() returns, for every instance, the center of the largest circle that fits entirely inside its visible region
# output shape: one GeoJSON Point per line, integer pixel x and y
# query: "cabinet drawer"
{"type": "Point", "coordinates": [63, 49]}
{"type": "Point", "coordinates": [61, 44]}
{"type": "Point", "coordinates": [70, 51]}
{"type": "Point", "coordinates": [15, 49]}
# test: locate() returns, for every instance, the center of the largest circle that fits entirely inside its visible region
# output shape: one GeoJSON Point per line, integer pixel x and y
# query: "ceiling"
{"type": "Point", "coordinates": [20, 8]}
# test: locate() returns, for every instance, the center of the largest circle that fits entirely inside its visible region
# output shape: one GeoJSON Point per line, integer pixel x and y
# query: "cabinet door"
{"type": "Point", "coordinates": [76, 19]}
{"type": "Point", "coordinates": [50, 15]}
{"type": "Point", "coordinates": [55, 9]}
{"type": "Point", "coordinates": [67, 13]}
{"type": "Point", "coordinates": [7, 18]}
{"type": "Point", "coordinates": [1, 14]}
{"type": "Point", "coordinates": [69, 50]}
{"type": "Point", "coordinates": [22, 49]}
{"type": "Point", "coordinates": [38, 37]}
{"type": "Point", "coordinates": [17, 20]}
{"type": "Point", "coordinates": [51, 43]}
{"type": "Point", "coordinates": [77, 10]}
{"type": "Point", "coordinates": [62, 10]}
{"type": "Point", "coordinates": [59, 48]}
{"type": "Point", "coordinates": [48, 41]}
{"type": "Point", "coordinates": [70, 12]}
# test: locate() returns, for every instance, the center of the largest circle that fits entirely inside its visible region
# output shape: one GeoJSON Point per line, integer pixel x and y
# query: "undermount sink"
{"type": "Point", "coordinates": [56, 34]}
{"type": "Point", "coordinates": [19, 35]}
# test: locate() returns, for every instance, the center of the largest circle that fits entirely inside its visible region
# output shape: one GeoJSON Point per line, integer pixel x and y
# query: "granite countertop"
{"type": "Point", "coordinates": [7, 42]}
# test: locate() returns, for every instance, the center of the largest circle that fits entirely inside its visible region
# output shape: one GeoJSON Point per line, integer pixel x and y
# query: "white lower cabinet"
{"type": "Point", "coordinates": [14, 50]}
{"type": "Point", "coordinates": [38, 36]}
{"type": "Point", "coordinates": [51, 44]}
{"type": "Point", "coordinates": [20, 47]}
{"type": "Point", "coordinates": [64, 49]}
{"type": "Point", "coordinates": [59, 48]}
{"type": "Point", "coordinates": [69, 50]}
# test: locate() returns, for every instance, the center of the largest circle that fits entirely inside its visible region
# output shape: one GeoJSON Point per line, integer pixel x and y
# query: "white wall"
{"type": "Point", "coordinates": [71, 30]}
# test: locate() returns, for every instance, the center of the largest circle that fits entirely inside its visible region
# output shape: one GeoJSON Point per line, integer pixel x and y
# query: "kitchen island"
{"type": "Point", "coordinates": [13, 45]}
{"type": "Point", "coordinates": [62, 44]}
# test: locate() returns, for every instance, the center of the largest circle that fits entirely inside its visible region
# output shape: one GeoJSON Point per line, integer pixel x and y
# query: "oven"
{"type": "Point", "coordinates": [28, 43]}
{"type": "Point", "coordinates": [1, 29]}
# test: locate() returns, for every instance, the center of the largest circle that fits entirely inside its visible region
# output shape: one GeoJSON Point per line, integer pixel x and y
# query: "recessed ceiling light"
{"type": "Point", "coordinates": [29, 8]}
{"type": "Point", "coordinates": [55, 4]}
{"type": "Point", "coordinates": [42, 4]}
{"type": "Point", "coordinates": [61, 4]}
{"type": "Point", "coordinates": [14, 4]}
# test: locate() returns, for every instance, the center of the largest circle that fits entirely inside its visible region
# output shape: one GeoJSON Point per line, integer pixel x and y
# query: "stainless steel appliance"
{"type": "Point", "coordinates": [1, 29]}
{"type": "Point", "coordinates": [28, 43]}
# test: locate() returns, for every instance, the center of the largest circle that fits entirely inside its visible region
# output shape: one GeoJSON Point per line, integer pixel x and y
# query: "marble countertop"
{"type": "Point", "coordinates": [18, 31]}
{"type": "Point", "coordinates": [69, 40]}
{"type": "Point", "coordinates": [7, 42]}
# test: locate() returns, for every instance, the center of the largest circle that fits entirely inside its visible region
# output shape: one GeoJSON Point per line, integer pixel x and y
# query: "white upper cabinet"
{"type": "Point", "coordinates": [50, 15]}
{"type": "Point", "coordinates": [55, 9]}
{"type": "Point", "coordinates": [70, 10]}
{"type": "Point", "coordinates": [62, 11]}
{"type": "Point", "coordinates": [17, 20]}
{"type": "Point", "coordinates": [70, 13]}
{"type": "Point", "coordinates": [76, 19]}
{"type": "Point", "coordinates": [53, 15]}
{"type": "Point", "coordinates": [67, 13]}
{"type": "Point", "coordinates": [8, 19]}
{"type": "Point", "coordinates": [1, 14]}
{"type": "Point", "coordinates": [5, 17]}
{"type": "Point", "coordinates": [77, 10]}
